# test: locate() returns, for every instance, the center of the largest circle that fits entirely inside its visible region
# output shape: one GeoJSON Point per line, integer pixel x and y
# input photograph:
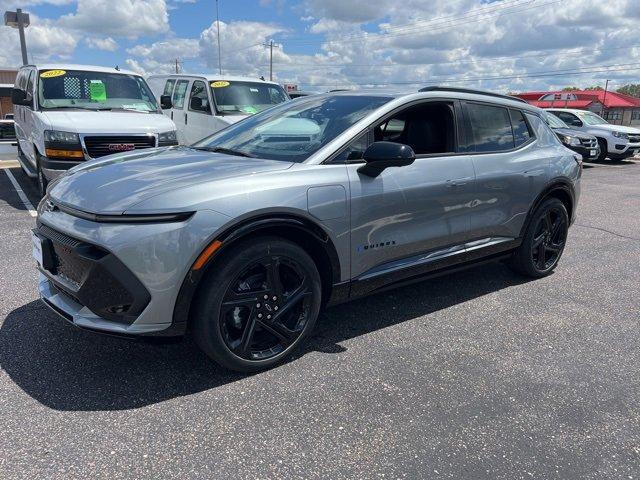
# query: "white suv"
{"type": "Point", "coordinates": [616, 141]}
{"type": "Point", "coordinates": [67, 114]}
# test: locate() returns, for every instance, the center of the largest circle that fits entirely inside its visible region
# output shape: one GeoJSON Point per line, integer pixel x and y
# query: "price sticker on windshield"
{"type": "Point", "coordinates": [52, 73]}
{"type": "Point", "coordinates": [97, 91]}
{"type": "Point", "coordinates": [220, 84]}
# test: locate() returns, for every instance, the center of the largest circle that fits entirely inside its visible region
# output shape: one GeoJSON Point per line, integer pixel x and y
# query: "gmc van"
{"type": "Point", "coordinates": [203, 104]}
{"type": "Point", "coordinates": [67, 114]}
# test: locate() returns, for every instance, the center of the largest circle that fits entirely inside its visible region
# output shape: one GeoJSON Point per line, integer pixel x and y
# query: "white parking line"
{"type": "Point", "coordinates": [21, 194]}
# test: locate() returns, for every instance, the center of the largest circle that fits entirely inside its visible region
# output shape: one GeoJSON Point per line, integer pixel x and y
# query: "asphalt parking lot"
{"type": "Point", "coordinates": [482, 374]}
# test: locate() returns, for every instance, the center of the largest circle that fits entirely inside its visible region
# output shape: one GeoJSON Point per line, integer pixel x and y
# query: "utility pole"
{"type": "Point", "coordinates": [218, 28]}
{"type": "Point", "coordinates": [177, 67]}
{"type": "Point", "coordinates": [271, 45]}
{"type": "Point", "coordinates": [19, 20]}
{"type": "Point", "coordinates": [604, 98]}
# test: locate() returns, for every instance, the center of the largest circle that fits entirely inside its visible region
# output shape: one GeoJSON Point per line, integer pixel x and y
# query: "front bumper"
{"type": "Point", "coordinates": [587, 153]}
{"type": "Point", "coordinates": [149, 260]}
{"type": "Point", "coordinates": [52, 169]}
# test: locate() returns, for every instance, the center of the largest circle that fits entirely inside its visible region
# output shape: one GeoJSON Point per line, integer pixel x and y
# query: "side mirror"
{"type": "Point", "coordinates": [381, 155]}
{"type": "Point", "coordinates": [165, 102]}
{"type": "Point", "coordinates": [18, 96]}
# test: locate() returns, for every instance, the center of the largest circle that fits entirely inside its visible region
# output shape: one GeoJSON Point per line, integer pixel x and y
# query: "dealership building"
{"type": "Point", "coordinates": [614, 107]}
{"type": "Point", "coordinates": [7, 79]}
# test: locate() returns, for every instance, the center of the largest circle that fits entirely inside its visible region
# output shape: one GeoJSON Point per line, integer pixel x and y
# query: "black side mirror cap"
{"type": "Point", "coordinates": [165, 102]}
{"type": "Point", "coordinates": [382, 155]}
{"type": "Point", "coordinates": [18, 96]}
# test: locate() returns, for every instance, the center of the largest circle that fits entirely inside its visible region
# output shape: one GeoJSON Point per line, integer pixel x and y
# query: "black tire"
{"type": "Point", "coordinates": [602, 143]}
{"type": "Point", "coordinates": [544, 240]}
{"type": "Point", "coordinates": [236, 326]}
{"type": "Point", "coordinates": [43, 183]}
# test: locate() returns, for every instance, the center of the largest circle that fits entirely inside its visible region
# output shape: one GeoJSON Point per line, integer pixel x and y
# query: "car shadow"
{"type": "Point", "coordinates": [8, 194]}
{"type": "Point", "coordinates": [69, 369]}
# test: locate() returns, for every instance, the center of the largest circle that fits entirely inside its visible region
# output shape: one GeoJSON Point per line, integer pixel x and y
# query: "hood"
{"type": "Point", "coordinates": [573, 133]}
{"type": "Point", "coordinates": [117, 122]}
{"type": "Point", "coordinates": [115, 183]}
{"type": "Point", "coordinates": [615, 128]}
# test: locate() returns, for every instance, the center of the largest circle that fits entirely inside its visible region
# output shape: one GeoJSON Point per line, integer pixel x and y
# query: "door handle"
{"type": "Point", "coordinates": [185, 118]}
{"type": "Point", "coordinates": [456, 183]}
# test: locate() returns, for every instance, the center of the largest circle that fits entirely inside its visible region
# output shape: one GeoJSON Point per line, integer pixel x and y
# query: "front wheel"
{"type": "Point", "coordinates": [604, 150]}
{"type": "Point", "coordinates": [43, 183]}
{"type": "Point", "coordinates": [544, 240]}
{"type": "Point", "coordinates": [258, 304]}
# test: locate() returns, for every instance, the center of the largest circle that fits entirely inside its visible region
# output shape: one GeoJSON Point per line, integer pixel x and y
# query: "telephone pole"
{"type": "Point", "coordinates": [218, 28]}
{"type": "Point", "coordinates": [271, 45]}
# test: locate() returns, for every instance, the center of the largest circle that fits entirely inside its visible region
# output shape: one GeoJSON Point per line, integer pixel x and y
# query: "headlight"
{"type": "Point", "coordinates": [568, 140]}
{"type": "Point", "coordinates": [621, 135]}
{"type": "Point", "coordinates": [62, 145]}
{"type": "Point", "coordinates": [168, 138]}
{"type": "Point", "coordinates": [61, 137]}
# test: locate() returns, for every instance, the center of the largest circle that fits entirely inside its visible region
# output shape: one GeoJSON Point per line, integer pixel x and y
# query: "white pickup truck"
{"type": "Point", "coordinates": [68, 114]}
{"type": "Point", "coordinates": [616, 141]}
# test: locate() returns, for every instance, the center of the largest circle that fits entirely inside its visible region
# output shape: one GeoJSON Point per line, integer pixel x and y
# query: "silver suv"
{"type": "Point", "coordinates": [243, 237]}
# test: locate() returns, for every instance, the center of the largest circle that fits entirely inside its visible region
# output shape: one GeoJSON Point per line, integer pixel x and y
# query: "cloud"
{"type": "Point", "coordinates": [44, 41]}
{"type": "Point", "coordinates": [107, 44]}
{"type": "Point", "coordinates": [123, 18]}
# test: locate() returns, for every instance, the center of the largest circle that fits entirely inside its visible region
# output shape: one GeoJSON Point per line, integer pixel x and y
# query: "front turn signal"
{"type": "Point", "coordinates": [206, 254]}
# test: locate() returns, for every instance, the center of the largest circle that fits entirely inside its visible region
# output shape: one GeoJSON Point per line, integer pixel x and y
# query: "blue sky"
{"type": "Point", "coordinates": [509, 45]}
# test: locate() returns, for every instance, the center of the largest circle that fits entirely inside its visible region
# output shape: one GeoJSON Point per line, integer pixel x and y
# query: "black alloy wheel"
{"type": "Point", "coordinates": [544, 240]}
{"type": "Point", "coordinates": [261, 300]}
{"type": "Point", "coordinates": [549, 239]}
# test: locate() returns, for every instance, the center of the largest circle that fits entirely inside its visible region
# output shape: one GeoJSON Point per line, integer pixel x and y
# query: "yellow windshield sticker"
{"type": "Point", "coordinates": [52, 73]}
{"type": "Point", "coordinates": [220, 84]}
{"type": "Point", "coordinates": [97, 91]}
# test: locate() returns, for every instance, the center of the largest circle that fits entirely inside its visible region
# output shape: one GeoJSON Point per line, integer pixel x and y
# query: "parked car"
{"type": "Point", "coordinates": [244, 236]}
{"type": "Point", "coordinates": [8, 116]}
{"type": "Point", "coordinates": [616, 141]}
{"type": "Point", "coordinates": [7, 130]}
{"type": "Point", "coordinates": [583, 143]}
{"type": "Point", "coordinates": [67, 114]}
{"type": "Point", "coordinates": [212, 102]}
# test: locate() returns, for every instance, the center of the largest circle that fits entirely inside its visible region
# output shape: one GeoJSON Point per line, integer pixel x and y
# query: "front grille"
{"type": "Point", "coordinates": [107, 145]}
{"type": "Point", "coordinates": [634, 138]}
{"type": "Point", "coordinates": [7, 131]}
{"type": "Point", "coordinates": [589, 142]}
{"type": "Point", "coordinates": [94, 277]}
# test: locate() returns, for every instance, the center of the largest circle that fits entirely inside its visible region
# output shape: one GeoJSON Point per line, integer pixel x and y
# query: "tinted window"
{"type": "Point", "coordinates": [30, 82]}
{"type": "Point", "coordinates": [233, 97]}
{"type": "Point", "coordinates": [520, 128]}
{"type": "Point", "coordinates": [355, 149]}
{"type": "Point", "coordinates": [566, 117]}
{"type": "Point", "coordinates": [179, 93]}
{"type": "Point", "coordinates": [168, 87]}
{"type": "Point", "coordinates": [490, 127]}
{"type": "Point", "coordinates": [199, 100]}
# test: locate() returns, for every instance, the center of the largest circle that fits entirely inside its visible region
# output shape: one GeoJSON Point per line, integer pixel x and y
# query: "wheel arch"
{"type": "Point", "coordinates": [300, 230]}
{"type": "Point", "coordinates": [558, 188]}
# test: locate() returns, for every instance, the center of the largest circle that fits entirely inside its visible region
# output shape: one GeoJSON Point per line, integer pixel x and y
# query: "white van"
{"type": "Point", "coordinates": [67, 114]}
{"type": "Point", "coordinates": [203, 104]}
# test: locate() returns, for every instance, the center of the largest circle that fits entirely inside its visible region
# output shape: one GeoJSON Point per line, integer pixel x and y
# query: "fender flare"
{"type": "Point", "coordinates": [555, 185]}
{"type": "Point", "coordinates": [236, 232]}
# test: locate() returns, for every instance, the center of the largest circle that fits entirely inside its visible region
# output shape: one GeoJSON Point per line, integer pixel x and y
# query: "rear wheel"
{"type": "Point", "coordinates": [258, 305]}
{"type": "Point", "coordinates": [544, 240]}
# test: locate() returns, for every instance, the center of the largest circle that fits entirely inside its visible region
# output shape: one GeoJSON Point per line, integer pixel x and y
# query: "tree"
{"type": "Point", "coordinates": [631, 89]}
{"type": "Point", "coordinates": [594, 87]}
{"type": "Point", "coordinates": [569, 89]}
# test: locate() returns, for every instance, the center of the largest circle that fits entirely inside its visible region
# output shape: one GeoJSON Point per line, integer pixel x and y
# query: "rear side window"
{"type": "Point", "coordinates": [179, 93]}
{"type": "Point", "coordinates": [521, 131]}
{"type": "Point", "coordinates": [168, 87]}
{"type": "Point", "coordinates": [490, 128]}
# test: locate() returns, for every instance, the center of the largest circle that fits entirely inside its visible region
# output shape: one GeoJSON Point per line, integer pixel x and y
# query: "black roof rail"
{"type": "Point", "coordinates": [437, 88]}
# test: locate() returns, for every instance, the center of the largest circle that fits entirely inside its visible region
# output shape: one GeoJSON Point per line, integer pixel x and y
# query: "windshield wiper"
{"type": "Point", "coordinates": [229, 151]}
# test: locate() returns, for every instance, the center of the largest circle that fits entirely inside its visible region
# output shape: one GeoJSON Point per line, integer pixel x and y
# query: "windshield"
{"type": "Point", "coordinates": [553, 121]}
{"type": "Point", "coordinates": [294, 131]}
{"type": "Point", "coordinates": [94, 91]}
{"type": "Point", "coordinates": [245, 97]}
{"type": "Point", "coordinates": [591, 118]}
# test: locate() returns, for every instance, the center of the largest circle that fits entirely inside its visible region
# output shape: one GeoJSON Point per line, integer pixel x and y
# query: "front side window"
{"type": "Point", "coordinates": [568, 118]}
{"type": "Point", "coordinates": [354, 151]}
{"type": "Point", "coordinates": [179, 93]}
{"type": "Point", "coordinates": [168, 87]}
{"type": "Point", "coordinates": [490, 128]}
{"type": "Point", "coordinates": [94, 91]}
{"type": "Point", "coordinates": [247, 98]}
{"type": "Point", "coordinates": [199, 100]}
{"type": "Point", "coordinates": [293, 131]}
